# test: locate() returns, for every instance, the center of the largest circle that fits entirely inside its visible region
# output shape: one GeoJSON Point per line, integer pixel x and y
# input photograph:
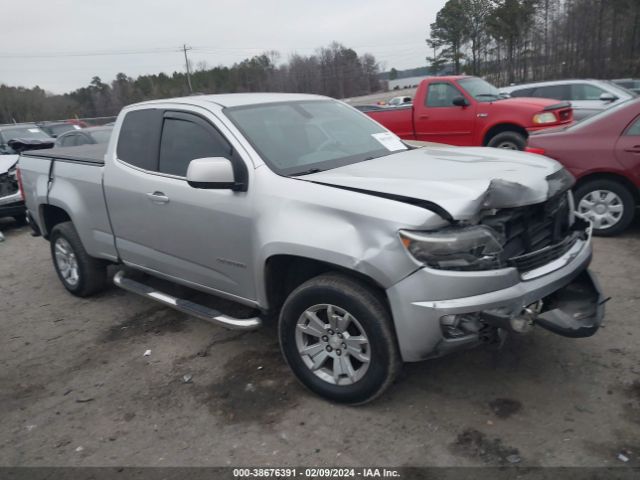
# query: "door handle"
{"type": "Point", "coordinates": [634, 149]}
{"type": "Point", "coordinates": [423, 117]}
{"type": "Point", "coordinates": [158, 197]}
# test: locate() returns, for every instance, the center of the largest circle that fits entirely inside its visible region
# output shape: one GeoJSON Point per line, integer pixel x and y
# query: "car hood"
{"type": "Point", "coordinates": [6, 162]}
{"type": "Point", "coordinates": [461, 181]}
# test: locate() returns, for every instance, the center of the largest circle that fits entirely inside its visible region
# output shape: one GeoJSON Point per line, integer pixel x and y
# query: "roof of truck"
{"type": "Point", "coordinates": [238, 99]}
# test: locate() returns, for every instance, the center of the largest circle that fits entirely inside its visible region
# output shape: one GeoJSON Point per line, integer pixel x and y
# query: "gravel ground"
{"type": "Point", "coordinates": [76, 388]}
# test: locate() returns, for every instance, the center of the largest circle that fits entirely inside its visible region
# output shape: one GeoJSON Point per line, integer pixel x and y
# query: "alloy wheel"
{"type": "Point", "coordinates": [333, 344]}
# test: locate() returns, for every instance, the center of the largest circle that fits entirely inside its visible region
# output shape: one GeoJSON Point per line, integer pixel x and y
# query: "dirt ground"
{"type": "Point", "coordinates": [76, 388]}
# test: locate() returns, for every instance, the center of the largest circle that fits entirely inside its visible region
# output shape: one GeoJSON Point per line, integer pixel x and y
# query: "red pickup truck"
{"type": "Point", "coordinates": [468, 111]}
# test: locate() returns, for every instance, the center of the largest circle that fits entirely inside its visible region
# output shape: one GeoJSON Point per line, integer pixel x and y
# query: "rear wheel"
{"type": "Point", "coordinates": [608, 204]}
{"type": "Point", "coordinates": [336, 335]}
{"type": "Point", "coordinates": [81, 274]}
{"type": "Point", "coordinates": [509, 140]}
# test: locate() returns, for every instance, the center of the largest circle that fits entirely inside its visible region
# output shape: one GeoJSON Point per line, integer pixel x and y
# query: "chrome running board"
{"type": "Point", "coordinates": [190, 308]}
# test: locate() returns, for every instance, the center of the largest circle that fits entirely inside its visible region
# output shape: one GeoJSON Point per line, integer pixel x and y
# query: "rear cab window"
{"type": "Point", "coordinates": [139, 138]}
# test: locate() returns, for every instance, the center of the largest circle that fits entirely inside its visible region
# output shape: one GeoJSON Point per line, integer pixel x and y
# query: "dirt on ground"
{"type": "Point", "coordinates": [77, 389]}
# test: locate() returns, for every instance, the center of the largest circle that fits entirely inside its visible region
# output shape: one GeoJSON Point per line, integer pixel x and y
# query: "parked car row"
{"type": "Point", "coordinates": [602, 151]}
{"type": "Point", "coordinates": [15, 138]}
{"type": "Point", "coordinates": [586, 96]}
{"type": "Point", "coordinates": [468, 111]}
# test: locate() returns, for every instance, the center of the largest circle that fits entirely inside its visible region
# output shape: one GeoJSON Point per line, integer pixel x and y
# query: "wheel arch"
{"type": "Point", "coordinates": [284, 272]}
{"type": "Point", "coordinates": [503, 127]}
{"type": "Point", "coordinates": [616, 177]}
{"type": "Point", "coordinates": [52, 216]}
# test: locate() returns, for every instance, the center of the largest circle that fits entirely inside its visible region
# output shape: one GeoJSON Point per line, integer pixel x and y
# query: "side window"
{"type": "Point", "coordinates": [634, 129]}
{"type": "Point", "coordinates": [81, 139]}
{"type": "Point", "coordinates": [558, 92]}
{"type": "Point", "coordinates": [441, 95]}
{"type": "Point", "coordinates": [187, 137]}
{"type": "Point", "coordinates": [68, 141]}
{"type": "Point", "coordinates": [139, 138]}
{"type": "Point", "coordinates": [583, 91]}
{"type": "Point", "coordinates": [523, 92]}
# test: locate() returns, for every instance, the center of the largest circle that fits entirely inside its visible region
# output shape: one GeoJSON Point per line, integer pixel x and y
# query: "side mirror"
{"type": "Point", "coordinates": [211, 173]}
{"type": "Point", "coordinates": [608, 97]}
{"type": "Point", "coordinates": [460, 102]}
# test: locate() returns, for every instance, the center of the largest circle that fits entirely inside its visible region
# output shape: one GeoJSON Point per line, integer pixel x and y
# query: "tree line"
{"type": "Point", "coordinates": [336, 71]}
{"type": "Point", "coordinates": [513, 41]}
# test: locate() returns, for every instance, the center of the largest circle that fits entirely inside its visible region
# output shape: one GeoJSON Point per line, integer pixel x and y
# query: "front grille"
{"type": "Point", "coordinates": [533, 235]}
{"type": "Point", "coordinates": [531, 261]}
{"type": "Point", "coordinates": [8, 184]}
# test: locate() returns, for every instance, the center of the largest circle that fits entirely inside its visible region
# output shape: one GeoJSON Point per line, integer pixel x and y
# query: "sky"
{"type": "Point", "coordinates": [61, 44]}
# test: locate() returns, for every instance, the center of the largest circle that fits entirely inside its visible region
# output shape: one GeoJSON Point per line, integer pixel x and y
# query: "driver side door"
{"type": "Point", "coordinates": [439, 120]}
{"type": "Point", "coordinates": [197, 236]}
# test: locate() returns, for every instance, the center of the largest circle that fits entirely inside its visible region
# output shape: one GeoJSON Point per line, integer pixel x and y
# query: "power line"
{"type": "Point", "coordinates": [203, 49]}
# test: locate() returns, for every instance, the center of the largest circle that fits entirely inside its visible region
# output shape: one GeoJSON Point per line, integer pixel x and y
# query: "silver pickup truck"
{"type": "Point", "coordinates": [368, 251]}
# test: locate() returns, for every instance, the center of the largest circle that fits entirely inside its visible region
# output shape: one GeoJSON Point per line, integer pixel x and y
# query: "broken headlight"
{"type": "Point", "coordinates": [462, 248]}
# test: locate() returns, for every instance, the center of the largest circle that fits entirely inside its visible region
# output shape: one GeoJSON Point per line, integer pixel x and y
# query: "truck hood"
{"type": "Point", "coordinates": [461, 181]}
{"type": "Point", "coordinates": [6, 162]}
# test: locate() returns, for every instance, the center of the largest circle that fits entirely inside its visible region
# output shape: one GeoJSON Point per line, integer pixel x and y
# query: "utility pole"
{"type": "Point", "coordinates": [186, 62]}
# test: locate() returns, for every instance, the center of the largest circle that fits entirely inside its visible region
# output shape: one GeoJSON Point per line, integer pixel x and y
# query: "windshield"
{"type": "Point", "coordinates": [620, 89]}
{"type": "Point", "coordinates": [26, 132]}
{"type": "Point", "coordinates": [480, 90]}
{"type": "Point", "coordinates": [296, 138]}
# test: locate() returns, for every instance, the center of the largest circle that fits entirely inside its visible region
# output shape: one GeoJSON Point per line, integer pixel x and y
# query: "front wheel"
{"type": "Point", "coordinates": [336, 335]}
{"type": "Point", "coordinates": [509, 140]}
{"type": "Point", "coordinates": [608, 204]}
{"type": "Point", "coordinates": [81, 274]}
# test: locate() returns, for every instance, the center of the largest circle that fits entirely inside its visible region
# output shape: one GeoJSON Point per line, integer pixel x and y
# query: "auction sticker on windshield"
{"type": "Point", "coordinates": [389, 141]}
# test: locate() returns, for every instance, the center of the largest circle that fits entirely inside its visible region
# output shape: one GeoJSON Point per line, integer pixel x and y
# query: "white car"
{"type": "Point", "coordinates": [399, 102]}
{"type": "Point", "coordinates": [586, 96]}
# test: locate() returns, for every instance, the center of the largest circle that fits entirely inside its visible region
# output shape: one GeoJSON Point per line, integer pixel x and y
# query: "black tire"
{"type": "Point", "coordinates": [509, 140]}
{"type": "Point", "coordinates": [369, 310]}
{"type": "Point", "coordinates": [92, 273]}
{"type": "Point", "coordinates": [626, 197]}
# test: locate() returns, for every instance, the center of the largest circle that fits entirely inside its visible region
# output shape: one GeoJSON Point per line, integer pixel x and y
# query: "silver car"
{"type": "Point", "coordinates": [586, 96]}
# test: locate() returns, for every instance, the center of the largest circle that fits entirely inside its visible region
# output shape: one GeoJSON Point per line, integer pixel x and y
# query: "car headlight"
{"type": "Point", "coordinates": [458, 248]}
{"type": "Point", "coordinates": [546, 117]}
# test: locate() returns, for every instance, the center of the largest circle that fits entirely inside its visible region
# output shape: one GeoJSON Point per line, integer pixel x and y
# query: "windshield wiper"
{"type": "Point", "coordinates": [488, 95]}
{"type": "Point", "coordinates": [306, 172]}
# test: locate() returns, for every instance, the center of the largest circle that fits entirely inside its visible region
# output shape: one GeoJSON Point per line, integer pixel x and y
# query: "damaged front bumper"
{"type": "Point", "coordinates": [562, 296]}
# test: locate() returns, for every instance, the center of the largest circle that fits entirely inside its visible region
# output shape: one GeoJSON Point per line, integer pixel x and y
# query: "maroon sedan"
{"type": "Point", "coordinates": [603, 153]}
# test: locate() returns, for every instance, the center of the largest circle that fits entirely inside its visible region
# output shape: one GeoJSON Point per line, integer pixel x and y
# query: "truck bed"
{"type": "Point", "coordinates": [70, 178]}
{"type": "Point", "coordinates": [397, 119]}
{"type": "Point", "coordinates": [82, 154]}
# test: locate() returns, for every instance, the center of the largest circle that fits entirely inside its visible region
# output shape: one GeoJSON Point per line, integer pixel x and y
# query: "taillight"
{"type": "Point", "coordinates": [539, 151]}
{"type": "Point", "coordinates": [19, 178]}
